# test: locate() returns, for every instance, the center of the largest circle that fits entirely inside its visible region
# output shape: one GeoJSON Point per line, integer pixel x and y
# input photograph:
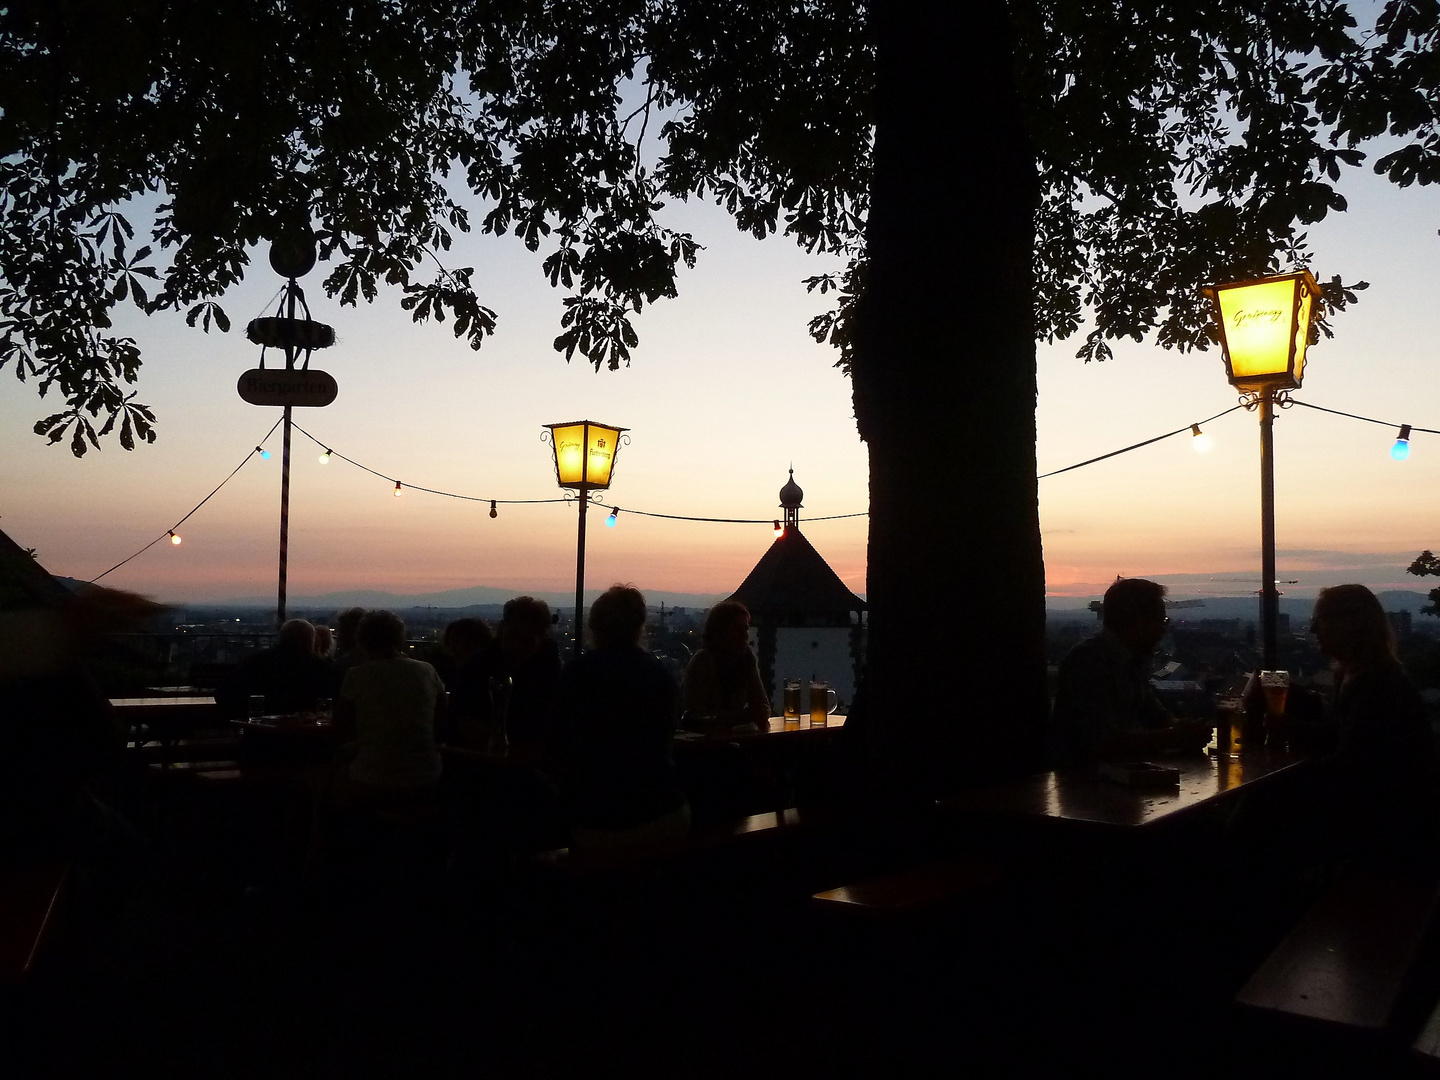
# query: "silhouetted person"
{"type": "Point", "coordinates": [390, 705]}
{"type": "Point", "coordinates": [617, 713]}
{"type": "Point", "coordinates": [60, 745]}
{"type": "Point", "coordinates": [1105, 707]}
{"type": "Point", "coordinates": [347, 652]}
{"type": "Point", "coordinates": [324, 642]}
{"type": "Point", "coordinates": [525, 653]}
{"type": "Point", "coordinates": [722, 683]}
{"type": "Point", "coordinates": [467, 645]}
{"type": "Point", "coordinates": [289, 675]}
{"type": "Point", "coordinates": [1385, 784]}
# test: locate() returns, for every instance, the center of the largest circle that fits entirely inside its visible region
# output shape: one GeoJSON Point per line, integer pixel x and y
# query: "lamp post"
{"type": "Point", "coordinates": [1265, 326]}
{"type": "Point", "coordinates": [584, 453]}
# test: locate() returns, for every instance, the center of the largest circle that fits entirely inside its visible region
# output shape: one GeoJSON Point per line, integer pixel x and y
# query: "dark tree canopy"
{"type": "Point", "coordinates": [1426, 564]}
{"type": "Point", "coordinates": [1175, 144]}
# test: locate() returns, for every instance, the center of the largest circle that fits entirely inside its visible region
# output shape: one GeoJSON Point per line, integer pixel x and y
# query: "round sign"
{"type": "Point", "coordinates": [292, 253]}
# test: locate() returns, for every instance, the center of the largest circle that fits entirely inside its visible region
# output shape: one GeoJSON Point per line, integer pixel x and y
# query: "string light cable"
{"type": "Point", "coordinates": [1188, 429]}
{"type": "Point", "coordinates": [1400, 451]}
{"type": "Point", "coordinates": [170, 534]}
{"type": "Point", "coordinates": [332, 453]}
{"type": "Point", "coordinates": [1366, 419]}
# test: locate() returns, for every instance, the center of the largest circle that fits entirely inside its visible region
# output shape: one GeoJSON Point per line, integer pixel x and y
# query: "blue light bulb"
{"type": "Point", "coordinates": [1401, 450]}
{"type": "Point", "coordinates": [610, 521]}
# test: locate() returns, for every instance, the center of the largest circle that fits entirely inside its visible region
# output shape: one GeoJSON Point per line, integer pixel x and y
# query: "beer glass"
{"type": "Point", "coordinates": [1276, 687]}
{"type": "Point", "coordinates": [1229, 727]}
{"type": "Point", "coordinates": [823, 702]}
{"type": "Point", "coordinates": [792, 700]}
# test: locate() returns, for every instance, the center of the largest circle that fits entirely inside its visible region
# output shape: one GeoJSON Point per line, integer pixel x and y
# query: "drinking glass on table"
{"type": "Point", "coordinates": [823, 702]}
{"type": "Point", "coordinates": [792, 701]}
{"type": "Point", "coordinates": [1276, 687]}
{"type": "Point", "coordinates": [1229, 727]}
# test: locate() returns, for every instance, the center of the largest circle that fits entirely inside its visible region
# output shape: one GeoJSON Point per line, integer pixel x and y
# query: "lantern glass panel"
{"type": "Point", "coordinates": [569, 442]}
{"type": "Point", "coordinates": [600, 455]}
{"type": "Point", "coordinates": [1259, 321]}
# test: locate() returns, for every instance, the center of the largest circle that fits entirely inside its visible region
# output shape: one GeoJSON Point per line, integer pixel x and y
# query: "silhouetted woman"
{"type": "Point", "coordinates": [723, 679]}
{"type": "Point", "coordinates": [1386, 772]}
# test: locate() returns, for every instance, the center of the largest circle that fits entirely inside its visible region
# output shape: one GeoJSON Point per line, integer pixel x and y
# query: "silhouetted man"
{"type": "Point", "coordinates": [1105, 708]}
{"type": "Point", "coordinates": [289, 674]}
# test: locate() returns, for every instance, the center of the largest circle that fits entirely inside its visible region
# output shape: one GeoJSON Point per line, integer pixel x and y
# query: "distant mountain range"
{"type": "Point", "coordinates": [1239, 607]}
{"type": "Point", "coordinates": [1063, 608]}
{"type": "Point", "coordinates": [476, 596]}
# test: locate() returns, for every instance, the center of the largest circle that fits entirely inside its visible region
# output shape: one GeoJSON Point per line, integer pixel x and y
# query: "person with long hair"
{"type": "Point", "coordinates": [722, 685]}
{"type": "Point", "coordinates": [1386, 772]}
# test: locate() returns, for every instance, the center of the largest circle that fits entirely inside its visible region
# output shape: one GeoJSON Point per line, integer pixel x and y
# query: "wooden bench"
{"type": "Point", "coordinates": [748, 832]}
{"type": "Point", "coordinates": [1346, 978]}
{"type": "Point", "coordinates": [201, 748]}
{"type": "Point", "coordinates": [29, 903]}
{"type": "Point", "coordinates": [910, 891]}
{"type": "Point", "coordinates": [190, 768]}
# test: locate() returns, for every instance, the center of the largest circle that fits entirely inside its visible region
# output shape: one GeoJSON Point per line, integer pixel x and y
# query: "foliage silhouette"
{"type": "Point", "coordinates": [994, 173]}
{"type": "Point", "coordinates": [1426, 564]}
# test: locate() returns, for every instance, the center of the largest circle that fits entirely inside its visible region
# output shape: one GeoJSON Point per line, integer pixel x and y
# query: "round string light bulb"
{"type": "Point", "coordinates": [1401, 450]}
{"type": "Point", "coordinates": [1199, 440]}
{"type": "Point", "coordinates": [779, 530]}
{"type": "Point", "coordinates": [174, 538]}
{"type": "Point", "coordinates": [264, 454]}
{"type": "Point", "coordinates": [397, 489]}
{"type": "Point", "coordinates": [614, 513]}
{"type": "Point", "coordinates": [493, 512]}
{"type": "Point", "coordinates": [325, 457]}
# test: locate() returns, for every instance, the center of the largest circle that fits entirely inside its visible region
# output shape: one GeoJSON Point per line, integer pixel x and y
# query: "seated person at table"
{"type": "Point", "coordinates": [289, 674]}
{"type": "Point", "coordinates": [616, 716]}
{"type": "Point", "coordinates": [525, 653]}
{"type": "Point", "coordinates": [467, 644]}
{"type": "Point", "coordinates": [722, 686]}
{"type": "Point", "coordinates": [1105, 708]}
{"type": "Point", "coordinates": [347, 652]}
{"type": "Point", "coordinates": [1384, 787]}
{"type": "Point", "coordinates": [324, 642]}
{"type": "Point", "coordinates": [390, 705]}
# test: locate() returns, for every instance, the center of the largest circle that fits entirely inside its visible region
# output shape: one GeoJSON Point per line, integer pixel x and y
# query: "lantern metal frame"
{"type": "Point", "coordinates": [1303, 287]}
{"type": "Point", "coordinates": [583, 488]}
{"type": "Point", "coordinates": [1262, 393]}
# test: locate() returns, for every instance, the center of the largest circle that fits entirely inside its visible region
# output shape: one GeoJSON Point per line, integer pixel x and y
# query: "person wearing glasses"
{"type": "Point", "coordinates": [1105, 708]}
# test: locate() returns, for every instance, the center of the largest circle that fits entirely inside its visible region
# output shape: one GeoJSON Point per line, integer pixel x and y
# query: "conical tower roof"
{"type": "Point", "coordinates": [792, 580]}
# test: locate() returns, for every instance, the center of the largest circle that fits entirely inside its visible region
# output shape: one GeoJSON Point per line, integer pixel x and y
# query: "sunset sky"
{"type": "Point", "coordinates": [726, 392]}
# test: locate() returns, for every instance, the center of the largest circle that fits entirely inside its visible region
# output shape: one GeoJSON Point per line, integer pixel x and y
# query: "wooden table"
{"type": "Point", "coordinates": [777, 725]}
{"type": "Point", "coordinates": [775, 759]}
{"type": "Point", "coordinates": [144, 709]}
{"type": "Point", "coordinates": [1083, 800]}
{"type": "Point", "coordinates": [163, 719]}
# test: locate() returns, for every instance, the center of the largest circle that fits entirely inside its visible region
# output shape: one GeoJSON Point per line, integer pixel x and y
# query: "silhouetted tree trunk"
{"type": "Point", "coordinates": [945, 394]}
